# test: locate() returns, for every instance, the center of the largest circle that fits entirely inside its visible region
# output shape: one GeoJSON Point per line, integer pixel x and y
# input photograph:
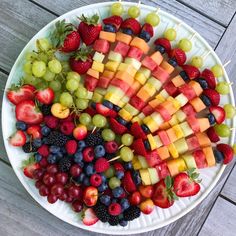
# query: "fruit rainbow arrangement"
{"type": "Point", "coordinates": [113, 127]}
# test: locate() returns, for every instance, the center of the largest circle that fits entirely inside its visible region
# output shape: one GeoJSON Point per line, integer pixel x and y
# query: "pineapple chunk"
{"type": "Point", "coordinates": [115, 56]}
{"type": "Point", "coordinates": [136, 163]}
{"type": "Point", "coordinates": [132, 61]}
{"type": "Point", "coordinates": [128, 68]}
{"type": "Point", "coordinates": [151, 141]}
{"type": "Point", "coordinates": [140, 77]}
{"type": "Point", "coordinates": [98, 57]}
{"type": "Point", "coordinates": [125, 115]}
{"type": "Point", "coordinates": [112, 65]}
{"type": "Point", "coordinates": [146, 180]}
{"type": "Point", "coordinates": [157, 118]}
{"type": "Point", "coordinates": [158, 141]}
{"type": "Point", "coordinates": [173, 151]}
{"type": "Point", "coordinates": [181, 146]}
{"type": "Point", "coordinates": [155, 83]}
{"type": "Point", "coordinates": [145, 71]}
{"type": "Point", "coordinates": [98, 66]}
{"type": "Point", "coordinates": [178, 131]}
{"type": "Point", "coordinates": [186, 129]}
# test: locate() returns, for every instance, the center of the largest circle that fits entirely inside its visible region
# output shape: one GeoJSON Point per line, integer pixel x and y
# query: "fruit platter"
{"type": "Point", "coordinates": [118, 116]}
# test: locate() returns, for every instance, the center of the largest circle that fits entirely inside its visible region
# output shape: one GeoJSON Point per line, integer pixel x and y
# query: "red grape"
{"type": "Point", "coordinates": [38, 184]}
{"type": "Point", "coordinates": [77, 206]}
{"type": "Point", "coordinates": [52, 169]}
{"type": "Point", "coordinates": [75, 192]}
{"type": "Point", "coordinates": [69, 199]}
{"type": "Point", "coordinates": [61, 178]}
{"type": "Point", "coordinates": [75, 170]}
{"type": "Point", "coordinates": [49, 179]}
{"type": "Point", "coordinates": [38, 174]}
{"type": "Point", "coordinates": [57, 190]}
{"type": "Point", "coordinates": [43, 190]}
{"type": "Point", "coordinates": [63, 196]}
{"type": "Point", "coordinates": [52, 198]}
{"type": "Point", "coordinates": [43, 162]}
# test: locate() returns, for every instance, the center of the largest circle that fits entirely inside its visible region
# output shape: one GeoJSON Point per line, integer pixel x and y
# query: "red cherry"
{"type": "Point", "coordinates": [63, 196]}
{"type": "Point", "coordinates": [52, 198]}
{"type": "Point", "coordinates": [43, 190]}
{"type": "Point", "coordinates": [57, 190]}
{"type": "Point", "coordinates": [135, 198]}
{"type": "Point", "coordinates": [88, 154]}
{"type": "Point", "coordinates": [38, 174]}
{"type": "Point", "coordinates": [52, 169]}
{"type": "Point", "coordinates": [77, 206]}
{"type": "Point", "coordinates": [61, 178]}
{"type": "Point", "coordinates": [38, 184]}
{"type": "Point", "coordinates": [75, 192]}
{"type": "Point", "coordinates": [49, 179]}
{"type": "Point", "coordinates": [75, 170]}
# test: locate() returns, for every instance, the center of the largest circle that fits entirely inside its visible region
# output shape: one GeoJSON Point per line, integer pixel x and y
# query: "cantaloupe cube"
{"type": "Point", "coordinates": [112, 65]}
{"type": "Point", "coordinates": [155, 102]}
{"type": "Point", "coordinates": [170, 107]}
{"type": "Point", "coordinates": [98, 66]}
{"type": "Point", "coordinates": [150, 89]}
{"type": "Point", "coordinates": [125, 38]}
{"type": "Point", "coordinates": [175, 102]}
{"type": "Point", "coordinates": [210, 158]}
{"type": "Point", "coordinates": [197, 104]}
{"type": "Point", "coordinates": [141, 44]}
{"type": "Point", "coordinates": [203, 139]}
{"type": "Point", "coordinates": [125, 76]}
{"type": "Point", "coordinates": [108, 74]}
{"type": "Point", "coordinates": [109, 36]}
{"type": "Point", "coordinates": [204, 124]}
{"type": "Point", "coordinates": [196, 86]}
{"type": "Point", "coordinates": [163, 152]}
{"type": "Point", "coordinates": [176, 166]}
{"type": "Point", "coordinates": [167, 67]}
{"type": "Point", "coordinates": [134, 62]}
{"type": "Point", "coordinates": [165, 126]}
{"type": "Point", "coordinates": [93, 73]}
{"type": "Point", "coordinates": [115, 56]}
{"type": "Point", "coordinates": [178, 81]}
{"type": "Point", "coordinates": [143, 94]}
{"type": "Point", "coordinates": [157, 57]}
{"type": "Point", "coordinates": [98, 57]}
{"type": "Point", "coordinates": [171, 135]}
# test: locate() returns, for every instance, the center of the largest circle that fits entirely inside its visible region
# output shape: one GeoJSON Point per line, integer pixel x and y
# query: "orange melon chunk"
{"type": "Point", "coordinates": [167, 67]}
{"type": "Point", "coordinates": [109, 36]}
{"type": "Point", "coordinates": [210, 158]}
{"type": "Point", "coordinates": [125, 38]}
{"type": "Point", "coordinates": [197, 104]}
{"type": "Point", "coordinates": [140, 44]}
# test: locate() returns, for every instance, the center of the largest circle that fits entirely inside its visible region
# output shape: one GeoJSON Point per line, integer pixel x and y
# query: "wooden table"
{"type": "Point", "coordinates": [20, 215]}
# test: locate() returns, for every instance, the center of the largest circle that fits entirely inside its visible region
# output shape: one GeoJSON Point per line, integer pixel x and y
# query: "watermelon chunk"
{"type": "Point", "coordinates": [200, 159]}
{"type": "Point", "coordinates": [153, 158]}
{"type": "Point", "coordinates": [101, 45]}
{"type": "Point", "coordinates": [162, 170]}
{"type": "Point", "coordinates": [122, 48]}
{"type": "Point", "coordinates": [90, 83]}
{"type": "Point", "coordinates": [137, 102]}
{"type": "Point", "coordinates": [135, 53]}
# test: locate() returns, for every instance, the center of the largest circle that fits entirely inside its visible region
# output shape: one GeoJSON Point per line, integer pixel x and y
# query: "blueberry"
{"type": "Point", "coordinates": [80, 178]}
{"type": "Point", "coordinates": [123, 223]}
{"type": "Point", "coordinates": [37, 142]}
{"type": "Point", "coordinates": [128, 165]}
{"type": "Point", "coordinates": [136, 177]}
{"type": "Point", "coordinates": [145, 129]}
{"type": "Point", "coordinates": [116, 108]}
{"type": "Point", "coordinates": [160, 48]}
{"type": "Point", "coordinates": [203, 83]}
{"type": "Point", "coordinates": [78, 157]}
{"type": "Point", "coordinates": [104, 178]}
{"type": "Point", "coordinates": [206, 100]}
{"type": "Point", "coordinates": [45, 130]}
{"type": "Point", "coordinates": [173, 62]}
{"type": "Point", "coordinates": [211, 118]}
{"type": "Point", "coordinates": [124, 203]}
{"type": "Point", "coordinates": [93, 105]}
{"type": "Point", "coordinates": [147, 144]}
{"type": "Point", "coordinates": [107, 104]}
{"type": "Point", "coordinates": [184, 75]}
{"type": "Point", "coordinates": [117, 192]}
{"type": "Point", "coordinates": [63, 150]}
{"type": "Point", "coordinates": [89, 169]}
{"type": "Point", "coordinates": [81, 145]}
{"type": "Point", "coordinates": [86, 181]}
{"type": "Point", "coordinates": [99, 151]}
{"type": "Point", "coordinates": [52, 159]}
{"type": "Point", "coordinates": [105, 199]}
{"type": "Point", "coordinates": [219, 156]}
{"type": "Point", "coordinates": [127, 31]}
{"type": "Point", "coordinates": [102, 187]}
{"type": "Point", "coordinates": [128, 126]}
{"type": "Point", "coordinates": [20, 125]}
{"type": "Point", "coordinates": [37, 157]}
{"type": "Point", "coordinates": [54, 149]}
{"type": "Point", "coordinates": [45, 140]}
{"type": "Point", "coordinates": [121, 121]}
{"type": "Point", "coordinates": [145, 36]}
{"type": "Point", "coordinates": [109, 28]}
{"type": "Point", "coordinates": [120, 174]}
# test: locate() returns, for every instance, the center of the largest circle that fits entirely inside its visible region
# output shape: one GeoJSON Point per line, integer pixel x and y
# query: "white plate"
{"type": "Point", "coordinates": [159, 217]}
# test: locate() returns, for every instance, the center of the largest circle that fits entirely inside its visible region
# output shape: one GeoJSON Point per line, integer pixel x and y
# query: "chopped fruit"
{"type": "Point", "coordinates": [165, 43]}
{"type": "Point", "coordinates": [128, 182]}
{"type": "Point", "coordinates": [227, 151]}
{"type": "Point", "coordinates": [45, 96]}
{"type": "Point", "coordinates": [90, 196]}
{"type": "Point", "coordinates": [146, 191]}
{"type": "Point", "coordinates": [222, 130]}
{"type": "Point", "coordinates": [147, 206]}
{"type": "Point", "coordinates": [137, 131]}
{"type": "Point", "coordinates": [131, 24]}
{"type": "Point", "coordinates": [103, 110]}
{"type": "Point", "coordinates": [191, 71]}
{"type": "Point", "coordinates": [117, 127]}
{"type": "Point", "coordinates": [114, 209]}
{"type": "Point", "coordinates": [219, 114]}
{"type": "Point", "coordinates": [209, 77]}
{"type": "Point", "coordinates": [80, 132]}
{"type": "Point", "coordinates": [113, 20]}
{"type": "Point", "coordinates": [34, 131]}
{"type": "Point", "coordinates": [18, 139]}
{"type": "Point", "coordinates": [213, 136]}
{"type": "Point", "coordinates": [179, 55]}
{"type": "Point", "coordinates": [117, 9]}
{"type": "Point", "coordinates": [101, 165]}
{"type": "Point", "coordinates": [29, 167]}
{"type": "Point", "coordinates": [223, 88]}
{"type": "Point", "coordinates": [213, 96]}
{"type": "Point", "coordinates": [139, 147]}
{"type": "Point", "coordinates": [135, 198]}
{"type": "Point", "coordinates": [89, 217]}
{"type": "Point", "coordinates": [60, 111]}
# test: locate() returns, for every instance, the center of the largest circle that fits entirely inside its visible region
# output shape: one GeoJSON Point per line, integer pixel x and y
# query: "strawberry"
{"type": "Point", "coordinates": [18, 94]}
{"type": "Point", "coordinates": [137, 131]}
{"type": "Point", "coordinates": [213, 95]}
{"type": "Point", "coordinates": [219, 113]}
{"type": "Point", "coordinates": [179, 56]}
{"type": "Point", "coordinates": [89, 217]}
{"type": "Point", "coordinates": [148, 28]}
{"type": "Point", "coordinates": [81, 61]}
{"type": "Point", "coordinates": [117, 127]}
{"type": "Point", "coordinates": [186, 185]}
{"type": "Point", "coordinates": [65, 37]}
{"type": "Point", "coordinates": [138, 147]}
{"type": "Point", "coordinates": [45, 96]}
{"type": "Point", "coordinates": [103, 110]}
{"type": "Point", "coordinates": [128, 182]}
{"type": "Point", "coordinates": [27, 112]}
{"type": "Point", "coordinates": [209, 77]}
{"type": "Point", "coordinates": [227, 151]}
{"type": "Point", "coordinates": [29, 166]}
{"type": "Point", "coordinates": [18, 139]}
{"type": "Point", "coordinates": [34, 131]}
{"type": "Point", "coordinates": [89, 28]}
{"type": "Point", "coordinates": [113, 20]}
{"type": "Point", "coordinates": [191, 71]}
{"type": "Point", "coordinates": [163, 195]}
{"type": "Point", "coordinates": [132, 24]}
{"type": "Point", "coordinates": [165, 43]}
{"type": "Point", "coordinates": [213, 136]}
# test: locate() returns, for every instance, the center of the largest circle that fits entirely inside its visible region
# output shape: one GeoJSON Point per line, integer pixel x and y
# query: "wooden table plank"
{"type": "Point", "coordinates": [210, 30]}
{"type": "Point", "coordinates": [220, 11]}
{"type": "Point", "coordinates": [221, 220]}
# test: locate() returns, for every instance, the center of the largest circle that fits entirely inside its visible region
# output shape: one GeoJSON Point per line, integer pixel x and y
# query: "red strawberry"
{"type": "Point", "coordinates": [28, 112]}
{"type": "Point", "coordinates": [81, 61]}
{"type": "Point", "coordinates": [18, 94]}
{"type": "Point", "coordinates": [34, 131]}
{"type": "Point", "coordinates": [89, 28]}
{"type": "Point", "coordinates": [227, 151]}
{"type": "Point", "coordinates": [89, 217]}
{"type": "Point", "coordinates": [45, 96]}
{"type": "Point", "coordinates": [185, 186]}
{"type": "Point", "coordinates": [128, 182]}
{"type": "Point", "coordinates": [132, 24]}
{"type": "Point", "coordinates": [139, 147]}
{"type": "Point", "coordinates": [162, 196]}
{"type": "Point", "coordinates": [179, 55]}
{"type": "Point", "coordinates": [65, 37]}
{"type": "Point", "coordinates": [117, 127]}
{"type": "Point", "coordinates": [219, 113]}
{"type": "Point", "coordinates": [137, 131]}
{"type": "Point", "coordinates": [209, 77]}
{"type": "Point", "coordinates": [165, 43]}
{"type": "Point", "coordinates": [18, 139]}
{"type": "Point", "coordinates": [105, 111]}
{"type": "Point", "coordinates": [213, 95]}
{"type": "Point", "coordinates": [29, 167]}
{"type": "Point", "coordinates": [118, 166]}
{"type": "Point", "coordinates": [191, 71]}
{"type": "Point", "coordinates": [148, 28]}
{"type": "Point", "coordinates": [113, 20]}
{"type": "Point", "coordinates": [213, 136]}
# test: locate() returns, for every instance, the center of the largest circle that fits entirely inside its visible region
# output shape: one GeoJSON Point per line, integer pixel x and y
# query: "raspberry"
{"type": "Point", "coordinates": [51, 121]}
{"type": "Point", "coordinates": [114, 209]}
{"type": "Point", "coordinates": [44, 150]}
{"type": "Point", "coordinates": [95, 180]}
{"type": "Point", "coordinates": [111, 147]}
{"type": "Point", "coordinates": [118, 167]}
{"type": "Point", "coordinates": [101, 165]}
{"type": "Point", "coordinates": [67, 127]}
{"type": "Point", "coordinates": [71, 147]}
{"type": "Point", "coordinates": [88, 154]}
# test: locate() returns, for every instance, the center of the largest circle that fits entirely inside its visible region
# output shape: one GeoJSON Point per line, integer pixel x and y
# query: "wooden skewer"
{"type": "Point", "coordinates": [193, 36]}
{"type": "Point", "coordinates": [157, 10]}
{"type": "Point", "coordinates": [227, 63]}
{"type": "Point", "coordinates": [122, 145]}
{"type": "Point", "coordinates": [177, 26]}
{"type": "Point", "coordinates": [206, 55]}
{"type": "Point", "coordinates": [94, 128]}
{"type": "Point", "coordinates": [114, 158]}
{"type": "Point", "coordinates": [139, 2]}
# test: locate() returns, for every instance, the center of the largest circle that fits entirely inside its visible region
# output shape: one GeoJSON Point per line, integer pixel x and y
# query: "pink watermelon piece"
{"type": "Point", "coordinates": [101, 45]}
{"type": "Point", "coordinates": [122, 48]}
{"type": "Point", "coordinates": [135, 53]}
{"type": "Point", "coordinates": [149, 63]}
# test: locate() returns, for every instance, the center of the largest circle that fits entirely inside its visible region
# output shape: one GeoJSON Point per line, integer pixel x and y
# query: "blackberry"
{"type": "Point", "coordinates": [46, 110]}
{"type": "Point", "coordinates": [101, 212]}
{"type": "Point", "coordinates": [131, 213]}
{"type": "Point", "coordinates": [114, 220]}
{"type": "Point", "coordinates": [94, 139]}
{"type": "Point", "coordinates": [29, 147]}
{"type": "Point", "coordinates": [110, 155]}
{"type": "Point", "coordinates": [56, 138]}
{"type": "Point", "coordinates": [64, 164]}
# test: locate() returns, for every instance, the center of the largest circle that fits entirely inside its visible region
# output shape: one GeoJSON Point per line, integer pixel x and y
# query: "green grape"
{"type": "Point", "coordinates": [55, 66]}
{"type": "Point", "coordinates": [197, 61]}
{"type": "Point", "coordinates": [114, 182]}
{"type": "Point", "coordinates": [81, 103]}
{"type": "Point", "coordinates": [30, 56]}
{"type": "Point", "coordinates": [110, 172]}
{"type": "Point", "coordinates": [185, 45]}
{"type": "Point", "coordinates": [43, 44]}
{"type": "Point", "coordinates": [222, 130]}
{"type": "Point", "coordinates": [222, 88]}
{"type": "Point", "coordinates": [229, 111]}
{"type": "Point", "coordinates": [126, 154]}
{"type": "Point", "coordinates": [99, 121]}
{"type": "Point", "coordinates": [217, 70]}
{"type": "Point", "coordinates": [127, 139]}
{"type": "Point", "coordinates": [85, 119]}
{"type": "Point", "coordinates": [81, 92]}
{"type": "Point", "coordinates": [66, 99]}
{"type": "Point", "coordinates": [41, 85]}
{"type": "Point", "coordinates": [65, 66]}
{"type": "Point", "coordinates": [72, 85]}
{"type": "Point", "coordinates": [28, 67]}
{"type": "Point", "coordinates": [108, 135]}
{"type": "Point", "coordinates": [30, 79]}
{"type": "Point", "coordinates": [153, 19]}
{"type": "Point", "coordinates": [73, 75]}
{"type": "Point", "coordinates": [55, 85]}
{"type": "Point", "coordinates": [234, 148]}
{"type": "Point", "coordinates": [117, 9]}
{"type": "Point", "coordinates": [170, 34]}
{"type": "Point", "coordinates": [134, 12]}
{"type": "Point", "coordinates": [57, 97]}
{"type": "Point", "coordinates": [39, 68]}
{"type": "Point", "coordinates": [49, 76]}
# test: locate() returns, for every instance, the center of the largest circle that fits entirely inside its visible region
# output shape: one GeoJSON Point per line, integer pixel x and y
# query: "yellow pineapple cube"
{"type": "Point", "coordinates": [128, 68]}
{"type": "Point", "coordinates": [136, 163]}
{"type": "Point", "coordinates": [178, 131]}
{"type": "Point", "coordinates": [112, 98]}
{"type": "Point", "coordinates": [112, 65]}
{"type": "Point", "coordinates": [125, 115]}
{"type": "Point", "coordinates": [140, 78]}
{"type": "Point", "coordinates": [173, 151]}
{"type": "Point", "coordinates": [151, 141]}
{"type": "Point", "coordinates": [98, 66]}
{"type": "Point", "coordinates": [136, 119]}
{"type": "Point", "coordinates": [97, 97]}
{"type": "Point", "coordinates": [132, 110]}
